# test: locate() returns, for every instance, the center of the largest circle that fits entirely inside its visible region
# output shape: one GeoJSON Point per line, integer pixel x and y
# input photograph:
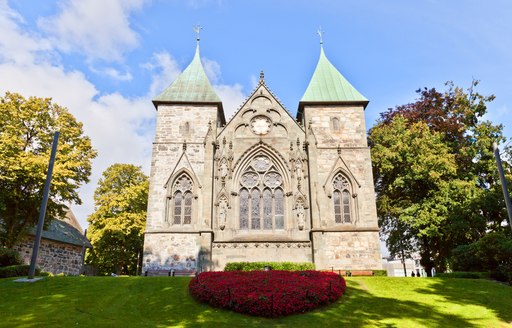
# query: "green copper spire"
{"type": "Point", "coordinates": [191, 86]}
{"type": "Point", "coordinates": [328, 85]}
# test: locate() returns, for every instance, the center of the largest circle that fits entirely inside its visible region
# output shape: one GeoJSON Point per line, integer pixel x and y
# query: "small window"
{"type": "Point", "coordinates": [335, 124]}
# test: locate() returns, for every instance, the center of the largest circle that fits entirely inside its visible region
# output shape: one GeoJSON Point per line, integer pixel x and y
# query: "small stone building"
{"type": "Point", "coordinates": [61, 249]}
{"type": "Point", "coordinates": [263, 186]}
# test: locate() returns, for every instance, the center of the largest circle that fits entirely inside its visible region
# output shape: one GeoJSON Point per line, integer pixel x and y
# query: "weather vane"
{"type": "Point", "coordinates": [197, 29]}
{"type": "Point", "coordinates": [320, 33]}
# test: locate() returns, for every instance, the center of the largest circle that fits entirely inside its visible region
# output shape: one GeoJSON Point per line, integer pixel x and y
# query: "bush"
{"type": "Point", "coordinates": [16, 271]}
{"type": "Point", "coordinates": [465, 275]}
{"type": "Point", "coordinates": [380, 273]}
{"type": "Point", "coordinates": [9, 257]}
{"type": "Point", "coordinates": [267, 293]}
{"type": "Point", "coordinates": [253, 266]}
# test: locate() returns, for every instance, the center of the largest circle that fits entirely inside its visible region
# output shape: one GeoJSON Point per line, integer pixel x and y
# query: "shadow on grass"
{"type": "Point", "coordinates": [492, 295]}
{"type": "Point", "coordinates": [165, 302]}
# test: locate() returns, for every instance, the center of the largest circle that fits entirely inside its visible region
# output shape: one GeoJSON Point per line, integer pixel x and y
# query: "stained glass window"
{"type": "Point", "coordinates": [279, 208]}
{"type": "Point", "coordinates": [244, 209]}
{"type": "Point", "coordinates": [187, 215]}
{"type": "Point", "coordinates": [181, 203]}
{"type": "Point", "coordinates": [267, 209]}
{"type": "Point", "coordinates": [255, 209]}
{"type": "Point", "coordinates": [177, 207]}
{"type": "Point", "coordinates": [264, 208]}
{"type": "Point", "coordinates": [341, 199]}
{"type": "Point", "coordinates": [346, 206]}
{"type": "Point", "coordinates": [337, 206]}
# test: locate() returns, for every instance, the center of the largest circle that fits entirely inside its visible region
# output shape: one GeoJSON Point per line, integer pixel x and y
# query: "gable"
{"type": "Point", "coordinates": [263, 117]}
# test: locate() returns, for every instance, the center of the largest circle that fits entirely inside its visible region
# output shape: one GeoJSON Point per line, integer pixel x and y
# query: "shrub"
{"type": "Point", "coordinates": [285, 266]}
{"type": "Point", "coordinates": [267, 293]}
{"type": "Point", "coordinates": [380, 273]}
{"type": "Point", "coordinates": [9, 256]}
{"type": "Point", "coordinates": [16, 271]}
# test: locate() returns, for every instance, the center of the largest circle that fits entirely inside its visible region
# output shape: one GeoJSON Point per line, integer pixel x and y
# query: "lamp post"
{"type": "Point", "coordinates": [504, 186]}
{"type": "Point", "coordinates": [42, 209]}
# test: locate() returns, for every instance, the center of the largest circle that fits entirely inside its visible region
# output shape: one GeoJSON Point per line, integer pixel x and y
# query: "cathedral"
{"type": "Point", "coordinates": [263, 186]}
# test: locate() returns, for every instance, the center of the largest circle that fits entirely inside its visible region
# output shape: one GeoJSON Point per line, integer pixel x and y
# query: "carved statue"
{"type": "Point", "coordinates": [223, 210]}
{"type": "Point", "coordinates": [298, 168]}
{"type": "Point", "coordinates": [300, 216]}
{"type": "Point", "coordinates": [223, 169]}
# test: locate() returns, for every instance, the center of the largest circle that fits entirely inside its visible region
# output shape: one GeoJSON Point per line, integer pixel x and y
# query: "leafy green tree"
{"type": "Point", "coordinates": [116, 227]}
{"type": "Point", "coordinates": [435, 174]}
{"type": "Point", "coordinates": [26, 134]}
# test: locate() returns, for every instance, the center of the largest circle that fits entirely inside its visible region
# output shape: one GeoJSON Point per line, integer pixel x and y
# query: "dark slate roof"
{"type": "Point", "coordinates": [64, 232]}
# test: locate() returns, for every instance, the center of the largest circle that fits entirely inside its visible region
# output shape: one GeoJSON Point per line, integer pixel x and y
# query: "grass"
{"type": "Point", "coordinates": [165, 302]}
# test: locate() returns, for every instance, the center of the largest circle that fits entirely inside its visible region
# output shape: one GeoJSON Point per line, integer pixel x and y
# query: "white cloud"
{"type": "Point", "coordinates": [212, 70]}
{"type": "Point", "coordinates": [113, 73]}
{"type": "Point", "coordinates": [164, 69]}
{"type": "Point", "coordinates": [99, 29]}
{"type": "Point", "coordinates": [231, 96]}
{"type": "Point", "coordinates": [17, 46]}
{"type": "Point", "coordinates": [121, 128]}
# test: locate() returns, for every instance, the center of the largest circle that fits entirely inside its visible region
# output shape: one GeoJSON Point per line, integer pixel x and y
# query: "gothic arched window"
{"type": "Point", "coordinates": [261, 196]}
{"type": "Point", "coordinates": [180, 202]}
{"type": "Point", "coordinates": [341, 198]}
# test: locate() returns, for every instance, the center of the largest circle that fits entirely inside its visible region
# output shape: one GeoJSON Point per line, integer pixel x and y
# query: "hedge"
{"type": "Point", "coordinates": [285, 266]}
{"type": "Point", "coordinates": [16, 271]}
{"type": "Point", "coordinates": [380, 273]}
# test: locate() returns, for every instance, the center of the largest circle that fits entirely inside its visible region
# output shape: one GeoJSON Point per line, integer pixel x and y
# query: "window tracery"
{"type": "Point", "coordinates": [180, 203]}
{"type": "Point", "coordinates": [341, 198]}
{"type": "Point", "coordinates": [261, 205]}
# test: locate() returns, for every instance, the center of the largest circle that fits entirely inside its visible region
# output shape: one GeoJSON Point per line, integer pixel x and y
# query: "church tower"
{"type": "Point", "coordinates": [263, 186]}
{"type": "Point", "coordinates": [343, 212]}
{"type": "Point", "coordinates": [189, 112]}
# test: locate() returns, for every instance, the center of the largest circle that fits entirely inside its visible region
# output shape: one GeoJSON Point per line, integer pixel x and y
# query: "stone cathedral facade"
{"type": "Point", "coordinates": [264, 186]}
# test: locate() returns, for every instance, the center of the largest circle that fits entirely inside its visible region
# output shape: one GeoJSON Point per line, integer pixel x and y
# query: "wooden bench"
{"type": "Point", "coordinates": [169, 273]}
{"type": "Point", "coordinates": [352, 272]}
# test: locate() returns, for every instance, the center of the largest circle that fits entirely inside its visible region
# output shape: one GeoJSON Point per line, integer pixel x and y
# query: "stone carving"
{"type": "Point", "coordinates": [223, 211]}
{"type": "Point", "coordinates": [300, 216]}
{"type": "Point", "coordinates": [291, 244]}
{"type": "Point", "coordinates": [223, 169]}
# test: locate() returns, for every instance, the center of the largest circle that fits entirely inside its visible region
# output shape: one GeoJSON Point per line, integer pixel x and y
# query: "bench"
{"type": "Point", "coordinates": [169, 273]}
{"type": "Point", "coordinates": [353, 273]}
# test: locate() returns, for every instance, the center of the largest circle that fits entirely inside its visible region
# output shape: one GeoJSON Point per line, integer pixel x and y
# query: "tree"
{"type": "Point", "coordinates": [116, 227]}
{"type": "Point", "coordinates": [26, 134]}
{"type": "Point", "coordinates": [434, 173]}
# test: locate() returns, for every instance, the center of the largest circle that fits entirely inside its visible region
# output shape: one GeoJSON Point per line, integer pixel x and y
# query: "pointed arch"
{"type": "Point", "coordinates": [261, 177]}
{"type": "Point", "coordinates": [343, 199]}
{"type": "Point", "coordinates": [181, 198]}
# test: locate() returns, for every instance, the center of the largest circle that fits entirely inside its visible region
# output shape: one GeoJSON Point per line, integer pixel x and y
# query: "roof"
{"type": "Point", "coordinates": [191, 86]}
{"type": "Point", "coordinates": [328, 85]}
{"type": "Point", "coordinates": [66, 230]}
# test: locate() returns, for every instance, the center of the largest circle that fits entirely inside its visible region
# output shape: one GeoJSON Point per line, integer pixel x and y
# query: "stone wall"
{"type": "Point", "coordinates": [53, 256]}
{"type": "Point", "coordinates": [347, 250]}
{"type": "Point", "coordinates": [224, 253]}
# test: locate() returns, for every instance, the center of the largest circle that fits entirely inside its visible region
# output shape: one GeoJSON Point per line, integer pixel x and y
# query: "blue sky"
{"type": "Point", "coordinates": [105, 60]}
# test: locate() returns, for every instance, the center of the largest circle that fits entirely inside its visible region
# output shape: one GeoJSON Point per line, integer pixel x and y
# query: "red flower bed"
{"type": "Point", "coordinates": [267, 293]}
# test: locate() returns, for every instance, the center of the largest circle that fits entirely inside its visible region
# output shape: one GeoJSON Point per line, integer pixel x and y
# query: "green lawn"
{"type": "Point", "coordinates": [165, 302]}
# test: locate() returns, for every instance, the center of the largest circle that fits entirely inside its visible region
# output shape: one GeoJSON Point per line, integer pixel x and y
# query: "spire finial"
{"type": "Point", "coordinates": [320, 33]}
{"type": "Point", "coordinates": [197, 29]}
{"type": "Point", "coordinates": [262, 77]}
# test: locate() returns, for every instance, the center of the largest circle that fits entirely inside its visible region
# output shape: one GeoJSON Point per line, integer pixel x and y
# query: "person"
{"type": "Point", "coordinates": [413, 275]}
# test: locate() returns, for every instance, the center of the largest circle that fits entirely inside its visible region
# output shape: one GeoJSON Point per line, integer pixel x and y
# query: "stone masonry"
{"type": "Point", "coordinates": [264, 186]}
